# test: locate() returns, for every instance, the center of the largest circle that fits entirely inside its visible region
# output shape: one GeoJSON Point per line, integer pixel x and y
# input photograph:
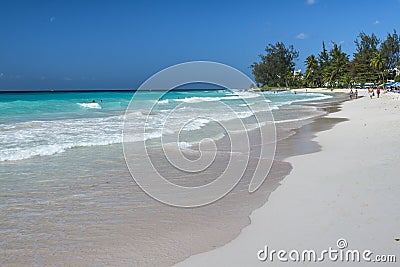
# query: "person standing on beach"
{"type": "Point", "coordinates": [378, 91]}
{"type": "Point", "coordinates": [356, 93]}
{"type": "Point", "coordinates": [371, 92]}
{"type": "Point", "coordinates": [351, 94]}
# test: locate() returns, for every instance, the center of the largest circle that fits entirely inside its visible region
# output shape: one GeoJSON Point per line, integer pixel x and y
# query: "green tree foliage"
{"type": "Point", "coordinates": [373, 62]}
{"type": "Point", "coordinates": [312, 71]}
{"type": "Point", "coordinates": [294, 80]}
{"type": "Point", "coordinates": [330, 69]}
{"type": "Point", "coordinates": [338, 67]}
{"type": "Point", "coordinates": [378, 63]}
{"type": "Point", "coordinates": [366, 46]}
{"type": "Point", "coordinates": [323, 57]}
{"type": "Point", "coordinates": [390, 50]}
{"type": "Point", "coordinates": [276, 66]}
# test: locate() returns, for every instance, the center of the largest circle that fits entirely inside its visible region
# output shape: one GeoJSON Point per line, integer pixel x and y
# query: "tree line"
{"type": "Point", "coordinates": [374, 61]}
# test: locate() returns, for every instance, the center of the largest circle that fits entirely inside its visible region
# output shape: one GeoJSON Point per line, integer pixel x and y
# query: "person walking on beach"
{"type": "Point", "coordinates": [378, 91]}
{"type": "Point", "coordinates": [371, 92]}
{"type": "Point", "coordinates": [356, 93]}
{"type": "Point", "coordinates": [351, 93]}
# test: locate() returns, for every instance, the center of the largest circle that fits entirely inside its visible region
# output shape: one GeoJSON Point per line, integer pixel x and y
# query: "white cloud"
{"type": "Point", "coordinates": [302, 36]}
{"type": "Point", "coordinates": [376, 22]}
{"type": "Point", "coordinates": [311, 2]}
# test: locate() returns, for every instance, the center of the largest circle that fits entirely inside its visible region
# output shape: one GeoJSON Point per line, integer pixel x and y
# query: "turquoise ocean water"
{"type": "Point", "coordinates": [43, 124]}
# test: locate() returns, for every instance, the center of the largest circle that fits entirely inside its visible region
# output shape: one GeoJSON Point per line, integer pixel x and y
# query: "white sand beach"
{"type": "Point", "coordinates": [350, 190]}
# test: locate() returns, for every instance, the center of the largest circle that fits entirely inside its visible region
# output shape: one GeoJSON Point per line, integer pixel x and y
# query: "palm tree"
{"type": "Point", "coordinates": [377, 62]}
{"type": "Point", "coordinates": [311, 70]}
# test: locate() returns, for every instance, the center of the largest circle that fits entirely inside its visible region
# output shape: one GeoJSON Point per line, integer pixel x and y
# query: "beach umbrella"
{"type": "Point", "coordinates": [390, 84]}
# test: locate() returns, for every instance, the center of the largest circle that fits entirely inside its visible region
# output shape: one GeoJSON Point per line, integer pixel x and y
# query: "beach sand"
{"type": "Point", "coordinates": [348, 190]}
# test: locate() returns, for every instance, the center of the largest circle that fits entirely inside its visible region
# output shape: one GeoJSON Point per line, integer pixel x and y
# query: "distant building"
{"type": "Point", "coordinates": [297, 72]}
{"type": "Point", "coordinates": [397, 71]}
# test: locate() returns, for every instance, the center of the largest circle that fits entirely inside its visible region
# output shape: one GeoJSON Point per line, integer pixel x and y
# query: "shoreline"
{"type": "Point", "coordinates": [315, 199]}
{"type": "Point", "coordinates": [99, 196]}
{"type": "Point", "coordinates": [108, 201]}
{"type": "Point", "coordinates": [296, 140]}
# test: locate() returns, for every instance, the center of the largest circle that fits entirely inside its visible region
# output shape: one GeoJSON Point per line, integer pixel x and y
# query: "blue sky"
{"type": "Point", "coordinates": [119, 44]}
